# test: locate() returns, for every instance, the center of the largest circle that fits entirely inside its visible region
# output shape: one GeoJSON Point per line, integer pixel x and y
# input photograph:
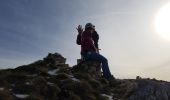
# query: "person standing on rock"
{"type": "Point", "coordinates": [89, 47]}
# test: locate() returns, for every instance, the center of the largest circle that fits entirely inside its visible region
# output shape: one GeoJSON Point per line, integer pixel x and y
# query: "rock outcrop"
{"type": "Point", "coordinates": [53, 79]}
{"type": "Point", "coordinates": [92, 68]}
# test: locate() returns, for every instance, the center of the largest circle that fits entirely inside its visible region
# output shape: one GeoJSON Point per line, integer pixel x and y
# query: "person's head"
{"type": "Point", "coordinates": [89, 27]}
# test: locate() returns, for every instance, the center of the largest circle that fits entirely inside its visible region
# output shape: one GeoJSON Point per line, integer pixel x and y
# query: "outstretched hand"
{"type": "Point", "coordinates": [79, 29]}
{"type": "Point", "coordinates": [98, 50]}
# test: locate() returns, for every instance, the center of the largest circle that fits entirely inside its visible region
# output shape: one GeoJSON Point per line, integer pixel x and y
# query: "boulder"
{"type": "Point", "coordinates": [93, 68]}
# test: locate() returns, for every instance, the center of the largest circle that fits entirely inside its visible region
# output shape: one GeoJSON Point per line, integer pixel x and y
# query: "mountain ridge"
{"type": "Point", "coordinates": [53, 79]}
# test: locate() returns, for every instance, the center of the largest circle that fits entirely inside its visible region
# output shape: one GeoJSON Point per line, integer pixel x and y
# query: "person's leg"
{"type": "Point", "coordinates": [103, 60]}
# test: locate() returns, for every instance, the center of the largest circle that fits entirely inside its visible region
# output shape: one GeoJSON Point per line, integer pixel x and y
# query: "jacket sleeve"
{"type": "Point", "coordinates": [78, 41]}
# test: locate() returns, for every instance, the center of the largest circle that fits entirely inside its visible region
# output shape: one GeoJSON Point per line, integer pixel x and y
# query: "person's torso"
{"type": "Point", "coordinates": [87, 43]}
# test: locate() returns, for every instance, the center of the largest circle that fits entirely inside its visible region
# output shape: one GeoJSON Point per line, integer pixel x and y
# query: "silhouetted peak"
{"type": "Point", "coordinates": [55, 59]}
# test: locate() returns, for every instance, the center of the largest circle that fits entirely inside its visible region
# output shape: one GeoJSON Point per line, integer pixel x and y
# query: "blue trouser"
{"type": "Point", "coordinates": [101, 59]}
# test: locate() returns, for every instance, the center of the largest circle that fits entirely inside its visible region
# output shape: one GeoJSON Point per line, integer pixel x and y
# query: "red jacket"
{"type": "Point", "coordinates": [87, 43]}
{"type": "Point", "coordinates": [95, 37]}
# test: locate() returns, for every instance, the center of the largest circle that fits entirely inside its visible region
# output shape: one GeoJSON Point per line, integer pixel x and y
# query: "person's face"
{"type": "Point", "coordinates": [94, 27]}
{"type": "Point", "coordinates": [91, 30]}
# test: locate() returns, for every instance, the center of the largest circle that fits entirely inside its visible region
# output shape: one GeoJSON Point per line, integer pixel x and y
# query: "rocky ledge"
{"type": "Point", "coordinates": [52, 79]}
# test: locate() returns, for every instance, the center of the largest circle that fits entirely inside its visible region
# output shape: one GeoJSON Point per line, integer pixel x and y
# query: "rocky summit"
{"type": "Point", "coordinates": [53, 79]}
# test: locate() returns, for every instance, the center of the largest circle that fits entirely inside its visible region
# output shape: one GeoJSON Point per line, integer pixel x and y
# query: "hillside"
{"type": "Point", "coordinates": [52, 79]}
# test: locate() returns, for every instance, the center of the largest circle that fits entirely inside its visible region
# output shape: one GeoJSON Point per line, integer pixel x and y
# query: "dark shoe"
{"type": "Point", "coordinates": [111, 78]}
{"type": "Point", "coordinates": [113, 81]}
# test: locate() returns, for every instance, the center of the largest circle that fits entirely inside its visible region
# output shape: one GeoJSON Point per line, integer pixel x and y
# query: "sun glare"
{"type": "Point", "coordinates": [162, 22]}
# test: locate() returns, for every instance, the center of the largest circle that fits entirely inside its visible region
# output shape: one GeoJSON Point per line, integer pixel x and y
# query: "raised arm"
{"type": "Point", "coordinates": [80, 31]}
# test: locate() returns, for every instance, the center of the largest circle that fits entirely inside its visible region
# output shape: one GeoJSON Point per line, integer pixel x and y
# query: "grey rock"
{"type": "Point", "coordinates": [93, 68]}
{"type": "Point", "coordinates": [150, 90]}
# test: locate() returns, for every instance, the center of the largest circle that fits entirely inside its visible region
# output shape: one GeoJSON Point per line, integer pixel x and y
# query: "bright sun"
{"type": "Point", "coordinates": [162, 22]}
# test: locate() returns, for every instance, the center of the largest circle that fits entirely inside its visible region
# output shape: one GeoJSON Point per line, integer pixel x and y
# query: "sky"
{"type": "Point", "coordinates": [30, 29]}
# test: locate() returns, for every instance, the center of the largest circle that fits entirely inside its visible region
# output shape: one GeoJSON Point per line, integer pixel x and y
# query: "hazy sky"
{"type": "Point", "coordinates": [29, 29]}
